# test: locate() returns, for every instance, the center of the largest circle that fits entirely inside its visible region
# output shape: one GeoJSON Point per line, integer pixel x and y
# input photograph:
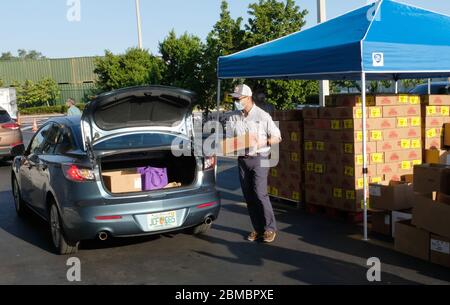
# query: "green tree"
{"type": "Point", "coordinates": [182, 57]}
{"type": "Point", "coordinates": [7, 56]}
{"type": "Point", "coordinates": [269, 20]}
{"type": "Point", "coordinates": [22, 54]}
{"type": "Point", "coordinates": [30, 94]}
{"type": "Point", "coordinates": [226, 37]}
{"type": "Point", "coordinates": [1, 83]}
{"type": "Point", "coordinates": [412, 83]}
{"type": "Point", "coordinates": [135, 67]}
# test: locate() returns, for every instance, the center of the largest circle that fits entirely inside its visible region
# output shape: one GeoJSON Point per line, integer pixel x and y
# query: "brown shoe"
{"type": "Point", "coordinates": [269, 236]}
{"type": "Point", "coordinates": [254, 236]}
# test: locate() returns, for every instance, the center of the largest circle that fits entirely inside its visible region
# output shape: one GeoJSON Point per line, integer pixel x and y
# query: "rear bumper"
{"type": "Point", "coordinates": [80, 222]}
{"type": "Point", "coordinates": [5, 151]}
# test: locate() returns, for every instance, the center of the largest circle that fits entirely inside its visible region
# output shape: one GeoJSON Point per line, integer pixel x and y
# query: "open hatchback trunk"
{"type": "Point", "coordinates": [129, 136]}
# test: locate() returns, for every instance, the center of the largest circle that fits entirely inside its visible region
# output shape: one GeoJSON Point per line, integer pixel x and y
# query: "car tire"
{"type": "Point", "coordinates": [62, 245]}
{"type": "Point", "coordinates": [201, 229]}
{"type": "Point", "coordinates": [19, 203]}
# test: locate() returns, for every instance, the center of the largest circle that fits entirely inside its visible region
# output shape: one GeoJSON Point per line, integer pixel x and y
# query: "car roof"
{"type": "Point", "coordinates": [69, 121]}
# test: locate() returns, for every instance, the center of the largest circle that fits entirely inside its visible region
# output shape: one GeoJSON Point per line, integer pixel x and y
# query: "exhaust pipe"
{"type": "Point", "coordinates": [103, 236]}
{"type": "Point", "coordinates": [208, 220]}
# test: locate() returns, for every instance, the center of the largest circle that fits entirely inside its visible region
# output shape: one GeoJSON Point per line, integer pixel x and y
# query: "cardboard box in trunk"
{"type": "Point", "coordinates": [123, 181]}
{"type": "Point", "coordinates": [391, 196]}
{"type": "Point", "coordinates": [440, 250]}
{"type": "Point", "coordinates": [431, 215]}
{"type": "Point", "coordinates": [411, 240]}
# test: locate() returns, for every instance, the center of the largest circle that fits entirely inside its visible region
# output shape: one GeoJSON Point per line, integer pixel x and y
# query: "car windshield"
{"type": "Point", "coordinates": [143, 140]}
{"type": "Point", "coordinates": [4, 116]}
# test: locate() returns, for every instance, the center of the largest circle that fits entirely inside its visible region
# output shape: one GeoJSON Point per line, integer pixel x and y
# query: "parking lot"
{"type": "Point", "coordinates": [310, 249]}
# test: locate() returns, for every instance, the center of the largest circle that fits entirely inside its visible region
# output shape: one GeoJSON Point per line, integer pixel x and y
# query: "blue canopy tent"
{"type": "Point", "coordinates": [385, 40]}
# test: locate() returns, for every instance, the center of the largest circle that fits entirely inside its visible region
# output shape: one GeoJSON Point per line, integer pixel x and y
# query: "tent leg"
{"type": "Point", "coordinates": [364, 149]}
{"type": "Point", "coordinates": [396, 87]}
{"type": "Point", "coordinates": [429, 86]}
{"type": "Point", "coordinates": [218, 115]}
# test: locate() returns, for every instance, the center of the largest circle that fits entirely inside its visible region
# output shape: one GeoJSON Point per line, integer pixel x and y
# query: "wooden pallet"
{"type": "Point", "coordinates": [285, 201]}
{"type": "Point", "coordinates": [333, 213]}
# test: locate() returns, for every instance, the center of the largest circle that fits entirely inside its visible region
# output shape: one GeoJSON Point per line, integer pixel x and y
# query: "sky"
{"type": "Point", "coordinates": [43, 25]}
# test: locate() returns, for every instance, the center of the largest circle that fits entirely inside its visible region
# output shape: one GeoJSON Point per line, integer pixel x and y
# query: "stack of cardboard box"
{"type": "Point", "coordinates": [286, 178]}
{"type": "Point", "coordinates": [427, 235]}
{"type": "Point", "coordinates": [390, 202]}
{"type": "Point", "coordinates": [333, 146]}
{"type": "Point", "coordinates": [435, 115]}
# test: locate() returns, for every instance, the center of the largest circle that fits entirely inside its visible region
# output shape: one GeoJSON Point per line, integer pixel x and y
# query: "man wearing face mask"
{"type": "Point", "coordinates": [253, 173]}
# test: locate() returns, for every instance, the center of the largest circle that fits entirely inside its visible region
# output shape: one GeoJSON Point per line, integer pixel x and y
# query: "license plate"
{"type": "Point", "coordinates": [162, 221]}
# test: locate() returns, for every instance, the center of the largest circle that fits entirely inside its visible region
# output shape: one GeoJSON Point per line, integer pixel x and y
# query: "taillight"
{"type": "Point", "coordinates": [209, 162]}
{"type": "Point", "coordinates": [12, 126]}
{"type": "Point", "coordinates": [78, 174]}
{"type": "Point", "coordinates": [206, 205]}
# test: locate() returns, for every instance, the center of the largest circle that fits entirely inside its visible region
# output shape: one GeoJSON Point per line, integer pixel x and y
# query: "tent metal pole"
{"type": "Point", "coordinates": [364, 149]}
{"type": "Point", "coordinates": [396, 86]}
{"type": "Point", "coordinates": [429, 86]}
{"type": "Point", "coordinates": [218, 114]}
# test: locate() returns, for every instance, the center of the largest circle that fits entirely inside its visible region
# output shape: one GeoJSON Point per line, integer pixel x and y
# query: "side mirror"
{"type": "Point", "coordinates": [18, 150]}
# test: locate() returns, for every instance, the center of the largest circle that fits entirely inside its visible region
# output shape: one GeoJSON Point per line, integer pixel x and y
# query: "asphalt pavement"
{"type": "Point", "coordinates": [310, 249]}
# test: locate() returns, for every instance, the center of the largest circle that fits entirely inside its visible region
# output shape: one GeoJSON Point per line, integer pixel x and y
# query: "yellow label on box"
{"type": "Point", "coordinates": [308, 145]}
{"type": "Point", "coordinates": [337, 193]}
{"type": "Point", "coordinates": [417, 162]}
{"type": "Point", "coordinates": [376, 135]}
{"type": "Point", "coordinates": [318, 168]}
{"type": "Point", "coordinates": [403, 99]}
{"type": "Point", "coordinates": [274, 191]}
{"type": "Point", "coordinates": [360, 183]}
{"type": "Point", "coordinates": [377, 179]}
{"type": "Point", "coordinates": [296, 195]}
{"type": "Point", "coordinates": [402, 122]}
{"type": "Point", "coordinates": [310, 167]}
{"type": "Point", "coordinates": [358, 113]}
{"type": "Point", "coordinates": [416, 143]}
{"type": "Point", "coordinates": [430, 110]}
{"type": "Point", "coordinates": [405, 143]}
{"type": "Point", "coordinates": [294, 157]}
{"type": "Point", "coordinates": [445, 110]}
{"type": "Point", "coordinates": [349, 171]}
{"type": "Point", "coordinates": [377, 158]}
{"type": "Point", "coordinates": [431, 133]}
{"type": "Point", "coordinates": [414, 100]}
{"type": "Point", "coordinates": [294, 137]}
{"type": "Point", "coordinates": [335, 124]}
{"type": "Point", "coordinates": [348, 124]}
{"type": "Point", "coordinates": [359, 160]}
{"type": "Point", "coordinates": [406, 165]}
{"type": "Point", "coordinates": [367, 203]}
{"type": "Point", "coordinates": [348, 148]}
{"type": "Point", "coordinates": [359, 136]}
{"type": "Point", "coordinates": [349, 195]}
{"type": "Point", "coordinates": [273, 172]}
{"type": "Point", "coordinates": [375, 112]}
{"type": "Point", "coordinates": [416, 121]}
{"type": "Point", "coordinates": [320, 146]}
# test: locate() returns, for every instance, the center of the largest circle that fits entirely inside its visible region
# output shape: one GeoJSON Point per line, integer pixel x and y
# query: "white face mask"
{"type": "Point", "coordinates": [239, 105]}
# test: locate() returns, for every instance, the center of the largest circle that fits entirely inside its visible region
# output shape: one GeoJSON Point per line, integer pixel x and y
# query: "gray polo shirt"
{"type": "Point", "coordinates": [257, 122]}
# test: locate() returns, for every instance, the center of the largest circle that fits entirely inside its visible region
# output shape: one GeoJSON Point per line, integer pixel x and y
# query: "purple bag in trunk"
{"type": "Point", "coordinates": [153, 178]}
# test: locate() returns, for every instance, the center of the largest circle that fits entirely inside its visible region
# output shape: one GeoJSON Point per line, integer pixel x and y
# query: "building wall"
{"type": "Point", "coordinates": [75, 76]}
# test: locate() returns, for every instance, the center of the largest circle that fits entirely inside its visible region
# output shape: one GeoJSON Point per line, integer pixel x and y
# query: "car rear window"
{"type": "Point", "coordinates": [145, 140]}
{"type": "Point", "coordinates": [4, 116]}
